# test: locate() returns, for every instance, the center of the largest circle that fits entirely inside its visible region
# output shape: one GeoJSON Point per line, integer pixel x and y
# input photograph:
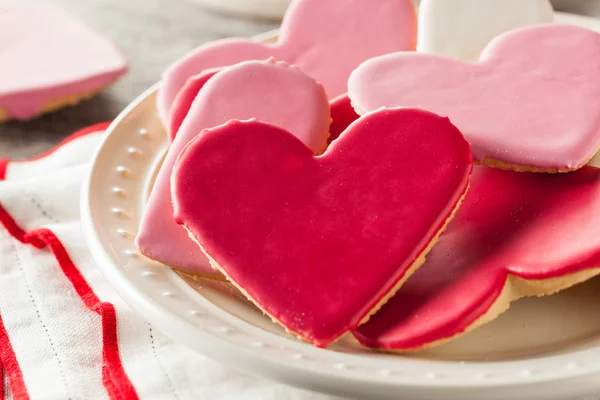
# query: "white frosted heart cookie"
{"type": "Point", "coordinates": [462, 28]}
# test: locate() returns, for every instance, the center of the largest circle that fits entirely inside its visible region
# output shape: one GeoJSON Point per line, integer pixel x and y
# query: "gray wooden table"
{"type": "Point", "coordinates": [152, 33]}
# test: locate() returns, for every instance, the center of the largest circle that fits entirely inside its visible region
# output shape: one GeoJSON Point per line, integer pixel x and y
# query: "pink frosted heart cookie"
{"type": "Point", "coordinates": [531, 103]}
{"type": "Point", "coordinates": [327, 39]}
{"type": "Point", "coordinates": [320, 242]}
{"type": "Point", "coordinates": [49, 60]}
{"type": "Point", "coordinates": [270, 91]}
{"type": "Point", "coordinates": [515, 235]}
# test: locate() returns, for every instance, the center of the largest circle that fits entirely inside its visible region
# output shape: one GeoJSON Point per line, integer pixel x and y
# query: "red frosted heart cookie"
{"type": "Point", "coordinates": [531, 103]}
{"type": "Point", "coordinates": [320, 242]}
{"type": "Point", "coordinates": [516, 234]}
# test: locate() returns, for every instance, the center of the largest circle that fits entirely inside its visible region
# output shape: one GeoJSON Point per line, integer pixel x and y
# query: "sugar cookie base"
{"type": "Point", "coordinates": [56, 104]}
{"type": "Point", "coordinates": [193, 274]}
{"type": "Point", "coordinates": [199, 275]}
{"type": "Point", "coordinates": [493, 163]}
{"type": "Point", "coordinates": [221, 285]}
{"type": "Point", "coordinates": [420, 260]}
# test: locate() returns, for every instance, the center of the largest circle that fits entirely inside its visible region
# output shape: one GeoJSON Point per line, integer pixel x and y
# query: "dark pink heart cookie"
{"type": "Point", "coordinates": [320, 242]}
{"type": "Point", "coordinates": [49, 60]}
{"type": "Point", "coordinates": [516, 234]}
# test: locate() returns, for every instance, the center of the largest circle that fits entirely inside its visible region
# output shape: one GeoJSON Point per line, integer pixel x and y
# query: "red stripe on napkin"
{"type": "Point", "coordinates": [82, 132]}
{"type": "Point", "coordinates": [3, 165]}
{"type": "Point", "coordinates": [11, 367]}
{"type": "Point", "coordinates": [15, 230]}
{"type": "Point", "coordinates": [114, 378]}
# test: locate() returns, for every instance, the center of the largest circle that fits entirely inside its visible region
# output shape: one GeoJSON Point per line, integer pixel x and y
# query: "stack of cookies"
{"type": "Point", "coordinates": [364, 177]}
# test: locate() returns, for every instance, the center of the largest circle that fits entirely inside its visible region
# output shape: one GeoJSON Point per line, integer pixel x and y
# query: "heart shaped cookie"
{"type": "Point", "coordinates": [515, 235]}
{"type": "Point", "coordinates": [532, 102]}
{"type": "Point", "coordinates": [461, 29]}
{"type": "Point", "coordinates": [49, 60]}
{"type": "Point", "coordinates": [270, 91]}
{"type": "Point", "coordinates": [326, 39]}
{"type": "Point", "coordinates": [320, 242]}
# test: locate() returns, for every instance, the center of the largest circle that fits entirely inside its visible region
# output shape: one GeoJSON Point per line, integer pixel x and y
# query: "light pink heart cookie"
{"type": "Point", "coordinates": [327, 39]}
{"type": "Point", "coordinates": [267, 90]}
{"type": "Point", "coordinates": [531, 103]}
{"type": "Point", "coordinates": [49, 60]}
{"type": "Point", "coordinates": [342, 113]}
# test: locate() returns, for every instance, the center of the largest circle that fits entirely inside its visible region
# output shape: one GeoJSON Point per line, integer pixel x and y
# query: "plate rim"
{"type": "Point", "coordinates": [341, 378]}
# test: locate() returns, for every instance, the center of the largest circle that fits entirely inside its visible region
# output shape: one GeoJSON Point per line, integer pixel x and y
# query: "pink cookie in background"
{"type": "Point", "coordinates": [320, 242]}
{"type": "Point", "coordinates": [267, 90]}
{"type": "Point", "coordinates": [531, 103]}
{"type": "Point", "coordinates": [515, 235]}
{"type": "Point", "coordinates": [49, 60]}
{"type": "Point", "coordinates": [326, 39]}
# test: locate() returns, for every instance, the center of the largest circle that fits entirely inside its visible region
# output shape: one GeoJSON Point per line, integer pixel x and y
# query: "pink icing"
{"type": "Point", "coordinates": [318, 241]}
{"type": "Point", "coordinates": [269, 91]}
{"type": "Point", "coordinates": [45, 55]}
{"type": "Point", "coordinates": [532, 100]}
{"type": "Point", "coordinates": [534, 226]}
{"type": "Point", "coordinates": [327, 39]}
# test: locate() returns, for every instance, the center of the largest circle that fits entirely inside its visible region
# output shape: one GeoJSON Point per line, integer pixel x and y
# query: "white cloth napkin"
{"type": "Point", "coordinates": [64, 333]}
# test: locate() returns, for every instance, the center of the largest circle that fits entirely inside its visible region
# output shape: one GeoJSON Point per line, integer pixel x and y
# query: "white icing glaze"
{"type": "Point", "coordinates": [462, 28]}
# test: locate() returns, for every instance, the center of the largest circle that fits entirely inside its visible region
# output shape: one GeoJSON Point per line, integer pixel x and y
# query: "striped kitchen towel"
{"type": "Point", "coordinates": [64, 333]}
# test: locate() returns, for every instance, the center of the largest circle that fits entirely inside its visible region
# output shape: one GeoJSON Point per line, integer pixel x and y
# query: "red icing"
{"type": "Point", "coordinates": [318, 241]}
{"type": "Point", "coordinates": [184, 99]}
{"type": "Point", "coordinates": [342, 115]}
{"type": "Point", "coordinates": [534, 226]}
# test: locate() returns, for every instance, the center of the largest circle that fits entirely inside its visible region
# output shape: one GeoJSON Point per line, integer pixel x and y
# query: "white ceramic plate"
{"type": "Point", "coordinates": [542, 348]}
